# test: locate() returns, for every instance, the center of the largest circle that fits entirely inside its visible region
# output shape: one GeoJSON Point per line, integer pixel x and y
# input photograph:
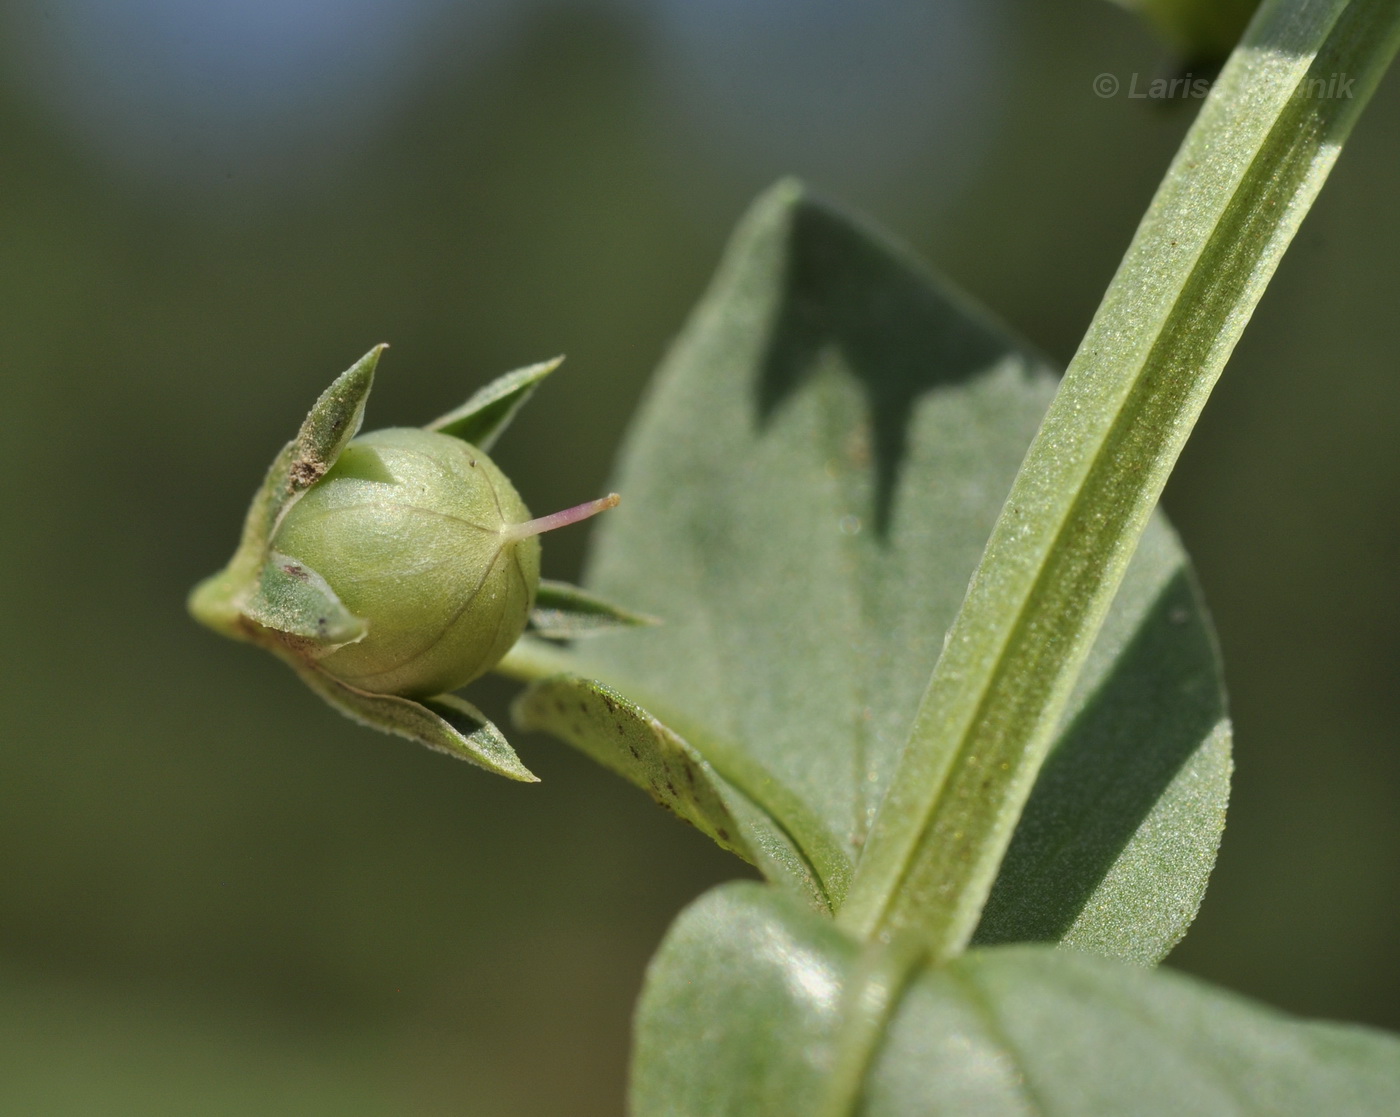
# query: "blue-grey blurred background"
{"type": "Point", "coordinates": [219, 897]}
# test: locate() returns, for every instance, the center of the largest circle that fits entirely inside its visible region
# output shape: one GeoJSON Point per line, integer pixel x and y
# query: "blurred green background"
{"type": "Point", "coordinates": [217, 896]}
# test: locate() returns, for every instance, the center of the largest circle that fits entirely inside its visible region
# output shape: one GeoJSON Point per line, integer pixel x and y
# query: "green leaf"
{"type": "Point", "coordinates": [565, 612]}
{"type": "Point", "coordinates": [808, 489]}
{"type": "Point", "coordinates": [755, 1006]}
{"type": "Point", "coordinates": [444, 724]}
{"type": "Point", "coordinates": [625, 738]}
{"type": "Point", "coordinates": [622, 736]}
{"type": "Point", "coordinates": [1234, 196]}
{"type": "Point", "coordinates": [482, 418]}
{"type": "Point", "coordinates": [1120, 833]}
{"type": "Point", "coordinates": [333, 421]}
{"type": "Point", "coordinates": [293, 598]}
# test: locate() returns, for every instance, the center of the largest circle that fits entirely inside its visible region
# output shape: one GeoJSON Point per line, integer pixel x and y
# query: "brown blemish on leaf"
{"type": "Point", "coordinates": [305, 473]}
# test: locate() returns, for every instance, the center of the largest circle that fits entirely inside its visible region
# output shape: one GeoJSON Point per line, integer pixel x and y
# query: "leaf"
{"type": "Point", "coordinates": [808, 489]}
{"type": "Point", "coordinates": [752, 1004]}
{"type": "Point", "coordinates": [1134, 794]}
{"type": "Point", "coordinates": [444, 724]}
{"type": "Point", "coordinates": [623, 737]}
{"type": "Point", "coordinates": [482, 418]}
{"type": "Point", "coordinates": [565, 612]}
{"type": "Point", "coordinates": [333, 421]}
{"type": "Point", "coordinates": [1246, 174]}
{"type": "Point", "coordinates": [293, 598]}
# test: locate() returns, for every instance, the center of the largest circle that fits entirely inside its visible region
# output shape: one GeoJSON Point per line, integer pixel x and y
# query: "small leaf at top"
{"type": "Point", "coordinates": [482, 418]}
{"type": "Point", "coordinates": [293, 598]}
{"type": "Point", "coordinates": [445, 723]}
{"type": "Point", "coordinates": [565, 612]}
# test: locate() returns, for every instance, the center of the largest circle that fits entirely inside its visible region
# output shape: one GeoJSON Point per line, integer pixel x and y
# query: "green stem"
{"type": "Point", "coordinates": [1231, 201]}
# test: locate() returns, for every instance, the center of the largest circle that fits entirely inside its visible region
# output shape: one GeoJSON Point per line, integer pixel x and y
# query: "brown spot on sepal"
{"type": "Point", "coordinates": [304, 473]}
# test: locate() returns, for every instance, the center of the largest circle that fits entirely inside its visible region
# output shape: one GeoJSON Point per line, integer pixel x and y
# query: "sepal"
{"type": "Point", "coordinates": [482, 418]}
{"type": "Point", "coordinates": [567, 612]}
{"type": "Point", "coordinates": [293, 598]}
{"type": "Point", "coordinates": [445, 723]}
{"type": "Point", "coordinates": [333, 421]}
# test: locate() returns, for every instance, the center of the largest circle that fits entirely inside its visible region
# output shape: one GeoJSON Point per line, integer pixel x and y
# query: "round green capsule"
{"type": "Point", "coordinates": [425, 539]}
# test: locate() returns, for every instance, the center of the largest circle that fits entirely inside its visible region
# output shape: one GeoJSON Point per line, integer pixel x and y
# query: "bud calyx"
{"type": "Point", "coordinates": [392, 567]}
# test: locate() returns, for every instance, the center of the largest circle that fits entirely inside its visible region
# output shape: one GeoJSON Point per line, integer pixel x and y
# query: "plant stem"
{"type": "Point", "coordinates": [1231, 201]}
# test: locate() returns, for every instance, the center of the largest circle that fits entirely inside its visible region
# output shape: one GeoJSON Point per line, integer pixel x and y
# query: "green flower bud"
{"type": "Point", "coordinates": [421, 536]}
{"type": "Point", "coordinates": [389, 569]}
